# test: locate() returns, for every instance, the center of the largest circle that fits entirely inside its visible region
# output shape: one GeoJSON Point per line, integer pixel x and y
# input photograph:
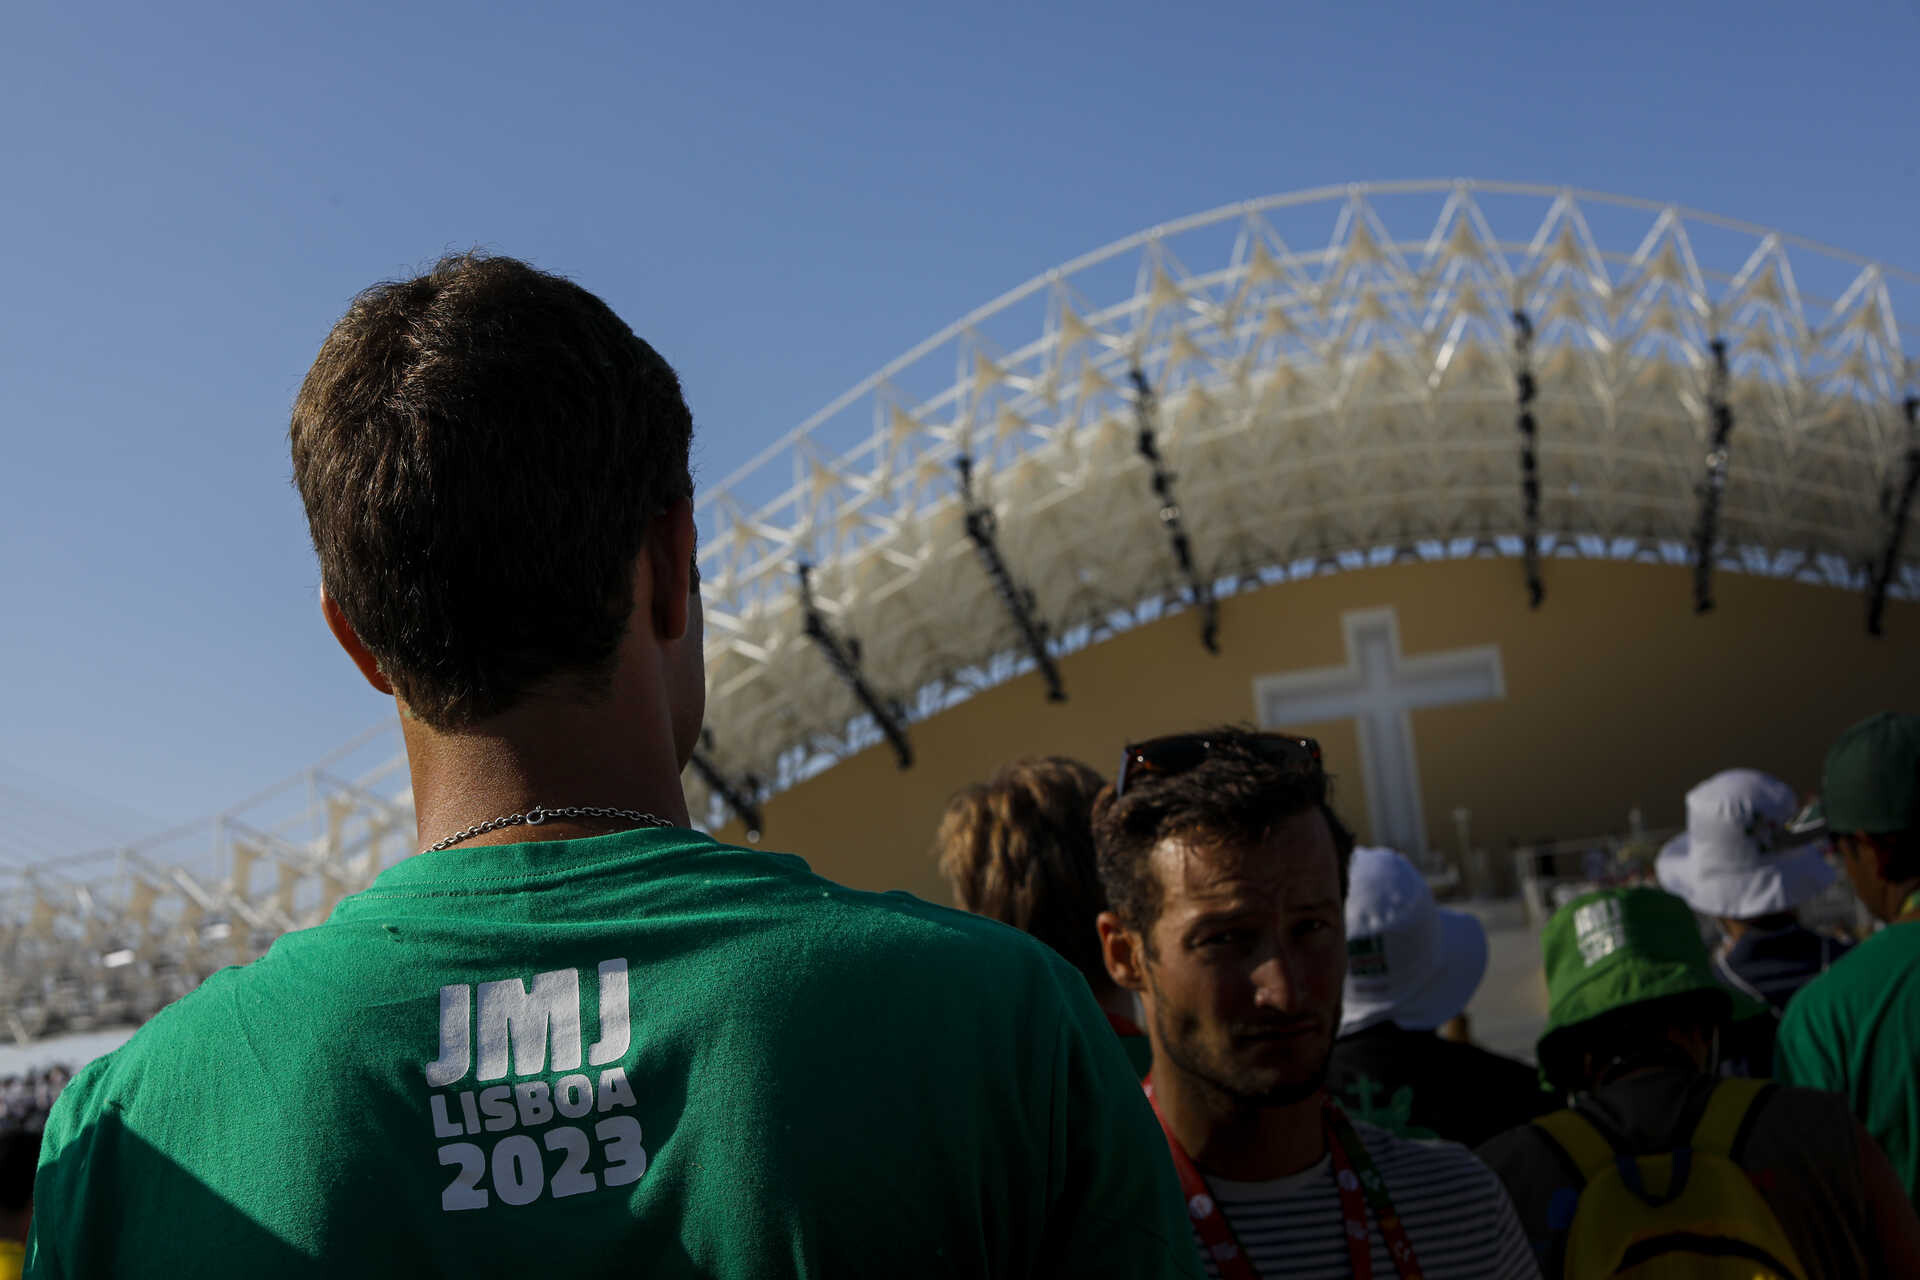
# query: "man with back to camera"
{"type": "Point", "coordinates": [1226, 869]}
{"type": "Point", "coordinates": [1739, 863]}
{"type": "Point", "coordinates": [1856, 1028]}
{"type": "Point", "coordinates": [571, 1036]}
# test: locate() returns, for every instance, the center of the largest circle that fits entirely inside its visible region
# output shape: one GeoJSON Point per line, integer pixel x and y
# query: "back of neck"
{"type": "Point", "coordinates": [554, 753]}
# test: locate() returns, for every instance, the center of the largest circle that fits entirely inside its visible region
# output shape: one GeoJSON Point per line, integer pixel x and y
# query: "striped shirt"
{"type": "Point", "coordinates": [1455, 1210]}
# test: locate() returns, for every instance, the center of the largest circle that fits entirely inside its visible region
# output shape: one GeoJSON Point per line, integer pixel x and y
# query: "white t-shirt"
{"type": "Point", "coordinates": [1454, 1208]}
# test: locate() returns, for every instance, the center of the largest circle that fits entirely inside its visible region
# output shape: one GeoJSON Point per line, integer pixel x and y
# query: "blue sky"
{"type": "Point", "coordinates": [779, 198]}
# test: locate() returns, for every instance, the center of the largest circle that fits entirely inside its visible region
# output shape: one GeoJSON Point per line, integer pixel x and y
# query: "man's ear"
{"type": "Point", "coordinates": [670, 547]}
{"type": "Point", "coordinates": [350, 641]}
{"type": "Point", "coordinates": [1124, 952]}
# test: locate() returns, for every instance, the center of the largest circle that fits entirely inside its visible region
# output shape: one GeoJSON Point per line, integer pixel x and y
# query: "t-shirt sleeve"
{"type": "Point", "coordinates": [1115, 1203]}
{"type": "Point", "coordinates": [1805, 1052]}
{"type": "Point", "coordinates": [60, 1184]}
{"type": "Point", "coordinates": [115, 1193]}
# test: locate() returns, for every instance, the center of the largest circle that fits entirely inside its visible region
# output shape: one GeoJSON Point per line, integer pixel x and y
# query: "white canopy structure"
{"type": "Point", "coordinates": [1332, 379]}
{"type": "Point", "coordinates": [1335, 377]}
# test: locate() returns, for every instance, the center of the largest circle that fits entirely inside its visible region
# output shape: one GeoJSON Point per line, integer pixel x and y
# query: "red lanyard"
{"type": "Point", "coordinates": [1354, 1174]}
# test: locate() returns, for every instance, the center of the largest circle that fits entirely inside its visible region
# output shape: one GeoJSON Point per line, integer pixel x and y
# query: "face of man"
{"type": "Point", "coordinates": [1246, 961]}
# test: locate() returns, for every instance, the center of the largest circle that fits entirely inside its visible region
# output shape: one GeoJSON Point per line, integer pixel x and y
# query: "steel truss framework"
{"type": "Point", "coordinates": [1336, 372]}
{"type": "Point", "coordinates": [1334, 378]}
{"type": "Point", "coordinates": [105, 937]}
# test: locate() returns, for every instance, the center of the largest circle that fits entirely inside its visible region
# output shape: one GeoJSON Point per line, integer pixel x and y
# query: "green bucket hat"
{"type": "Point", "coordinates": [1871, 781]}
{"type": "Point", "coordinates": [1616, 947]}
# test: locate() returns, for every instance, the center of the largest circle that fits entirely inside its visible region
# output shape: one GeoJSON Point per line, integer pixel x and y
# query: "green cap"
{"type": "Point", "coordinates": [1616, 947]}
{"type": "Point", "coordinates": [1872, 779]}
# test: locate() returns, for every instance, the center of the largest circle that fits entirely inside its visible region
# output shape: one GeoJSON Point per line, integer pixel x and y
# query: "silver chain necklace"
{"type": "Point", "coordinates": [537, 815]}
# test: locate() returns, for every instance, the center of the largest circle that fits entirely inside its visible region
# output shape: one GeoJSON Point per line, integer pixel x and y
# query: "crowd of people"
{"type": "Point", "coordinates": [1678, 1109]}
{"type": "Point", "coordinates": [26, 1096]}
{"type": "Point", "coordinates": [574, 1036]}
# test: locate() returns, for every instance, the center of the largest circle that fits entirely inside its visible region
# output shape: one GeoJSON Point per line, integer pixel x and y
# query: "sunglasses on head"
{"type": "Point", "coordinates": [1181, 752]}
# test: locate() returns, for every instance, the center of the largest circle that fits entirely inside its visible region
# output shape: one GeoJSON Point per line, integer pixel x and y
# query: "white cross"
{"type": "Point", "coordinates": [1380, 688]}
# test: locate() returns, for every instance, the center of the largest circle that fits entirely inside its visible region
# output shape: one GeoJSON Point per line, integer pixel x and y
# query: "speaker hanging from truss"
{"type": "Point", "coordinates": [1145, 408]}
{"type": "Point", "coordinates": [1526, 390]}
{"type": "Point", "coordinates": [844, 657]}
{"type": "Point", "coordinates": [1898, 509]}
{"type": "Point", "coordinates": [1016, 599]}
{"type": "Point", "coordinates": [1706, 532]}
{"type": "Point", "coordinates": [736, 795]}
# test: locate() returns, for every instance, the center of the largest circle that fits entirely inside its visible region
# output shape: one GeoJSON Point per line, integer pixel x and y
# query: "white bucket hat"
{"type": "Point", "coordinates": [1409, 960]}
{"type": "Point", "coordinates": [1737, 858]}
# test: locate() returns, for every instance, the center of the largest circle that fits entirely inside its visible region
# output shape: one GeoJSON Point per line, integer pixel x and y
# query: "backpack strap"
{"type": "Point", "coordinates": [1724, 1121]}
{"type": "Point", "coordinates": [1579, 1140]}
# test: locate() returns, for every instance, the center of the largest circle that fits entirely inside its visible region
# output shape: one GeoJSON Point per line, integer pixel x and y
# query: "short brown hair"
{"type": "Point", "coordinates": [1235, 795]}
{"type": "Point", "coordinates": [480, 450]}
{"type": "Point", "coordinates": [1018, 848]}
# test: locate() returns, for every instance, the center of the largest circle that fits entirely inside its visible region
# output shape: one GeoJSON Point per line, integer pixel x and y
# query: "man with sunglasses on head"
{"type": "Point", "coordinates": [573, 1036]}
{"type": "Point", "coordinates": [1226, 870]}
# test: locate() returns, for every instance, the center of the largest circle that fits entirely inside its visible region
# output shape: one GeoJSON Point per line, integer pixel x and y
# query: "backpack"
{"type": "Point", "coordinates": [1688, 1212]}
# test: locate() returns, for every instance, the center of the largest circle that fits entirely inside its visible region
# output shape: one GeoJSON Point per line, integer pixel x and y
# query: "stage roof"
{"type": "Point", "coordinates": [1333, 379]}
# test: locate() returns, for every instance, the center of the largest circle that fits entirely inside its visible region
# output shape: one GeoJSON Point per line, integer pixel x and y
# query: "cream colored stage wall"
{"type": "Point", "coordinates": [1616, 695]}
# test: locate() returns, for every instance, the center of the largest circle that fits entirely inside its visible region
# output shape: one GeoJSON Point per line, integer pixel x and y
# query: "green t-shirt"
{"type": "Point", "coordinates": [1139, 1051]}
{"type": "Point", "coordinates": [642, 1054]}
{"type": "Point", "coordinates": [1855, 1030]}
